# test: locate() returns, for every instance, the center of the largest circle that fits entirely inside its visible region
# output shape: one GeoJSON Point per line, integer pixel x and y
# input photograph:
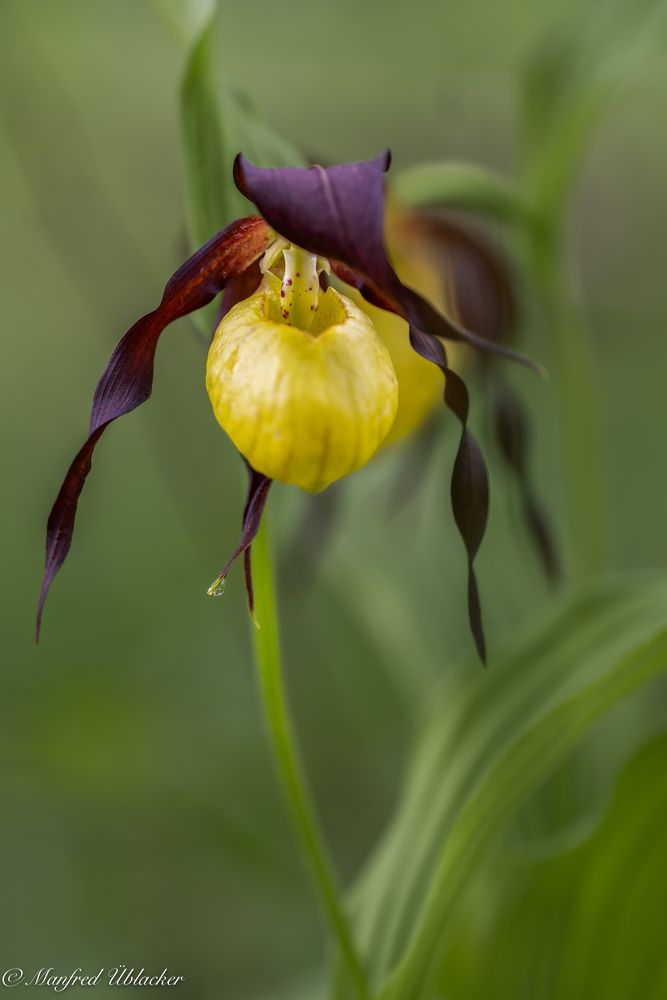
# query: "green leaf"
{"type": "Point", "coordinates": [587, 923]}
{"type": "Point", "coordinates": [460, 185]}
{"type": "Point", "coordinates": [219, 122]}
{"type": "Point", "coordinates": [491, 740]}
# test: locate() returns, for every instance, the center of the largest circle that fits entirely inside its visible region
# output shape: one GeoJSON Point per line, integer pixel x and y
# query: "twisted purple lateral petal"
{"type": "Point", "coordinates": [338, 213]}
{"type": "Point", "coordinates": [470, 482]}
{"type": "Point", "coordinates": [128, 378]}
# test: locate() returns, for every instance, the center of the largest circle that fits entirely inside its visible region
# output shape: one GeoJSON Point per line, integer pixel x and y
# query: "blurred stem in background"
{"type": "Point", "coordinates": [281, 732]}
{"type": "Point", "coordinates": [576, 396]}
{"type": "Point", "coordinates": [561, 103]}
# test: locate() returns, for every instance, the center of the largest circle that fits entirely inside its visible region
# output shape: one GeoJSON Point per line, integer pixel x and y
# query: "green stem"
{"type": "Point", "coordinates": [267, 653]}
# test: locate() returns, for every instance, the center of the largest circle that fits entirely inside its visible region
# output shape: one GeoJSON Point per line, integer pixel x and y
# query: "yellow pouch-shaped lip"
{"type": "Point", "coordinates": [303, 406]}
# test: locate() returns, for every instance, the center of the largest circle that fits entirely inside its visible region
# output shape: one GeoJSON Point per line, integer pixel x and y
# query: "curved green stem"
{"type": "Point", "coordinates": [267, 653]}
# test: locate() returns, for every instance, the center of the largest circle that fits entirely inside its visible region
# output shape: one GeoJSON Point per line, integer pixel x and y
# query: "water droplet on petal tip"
{"type": "Point", "coordinates": [217, 588]}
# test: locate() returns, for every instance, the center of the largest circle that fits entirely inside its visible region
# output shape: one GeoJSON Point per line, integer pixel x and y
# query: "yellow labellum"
{"type": "Point", "coordinates": [303, 406]}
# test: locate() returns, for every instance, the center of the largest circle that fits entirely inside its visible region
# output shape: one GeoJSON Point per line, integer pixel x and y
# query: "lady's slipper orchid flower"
{"type": "Point", "coordinates": [297, 374]}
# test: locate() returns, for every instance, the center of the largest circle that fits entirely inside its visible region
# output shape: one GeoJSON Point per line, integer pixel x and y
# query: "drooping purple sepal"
{"type": "Point", "coordinates": [128, 378]}
{"type": "Point", "coordinates": [470, 481]}
{"type": "Point", "coordinates": [258, 491]}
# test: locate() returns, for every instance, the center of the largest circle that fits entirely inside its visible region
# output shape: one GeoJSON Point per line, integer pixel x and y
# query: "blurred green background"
{"type": "Point", "coordinates": [141, 822]}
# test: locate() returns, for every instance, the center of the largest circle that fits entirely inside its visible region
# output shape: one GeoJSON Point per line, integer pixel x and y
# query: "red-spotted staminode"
{"type": "Point", "coordinates": [296, 373]}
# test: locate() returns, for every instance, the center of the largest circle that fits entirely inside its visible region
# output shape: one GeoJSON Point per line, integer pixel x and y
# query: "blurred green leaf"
{"type": "Point", "coordinates": [219, 122]}
{"type": "Point", "coordinates": [587, 923]}
{"type": "Point", "coordinates": [492, 738]}
{"type": "Point", "coordinates": [460, 185]}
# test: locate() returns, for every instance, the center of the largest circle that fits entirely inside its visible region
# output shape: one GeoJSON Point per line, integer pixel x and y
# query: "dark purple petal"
{"type": "Point", "coordinates": [128, 378]}
{"type": "Point", "coordinates": [258, 491]}
{"type": "Point", "coordinates": [470, 482]}
{"type": "Point", "coordinates": [511, 428]}
{"type": "Point", "coordinates": [338, 213]}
